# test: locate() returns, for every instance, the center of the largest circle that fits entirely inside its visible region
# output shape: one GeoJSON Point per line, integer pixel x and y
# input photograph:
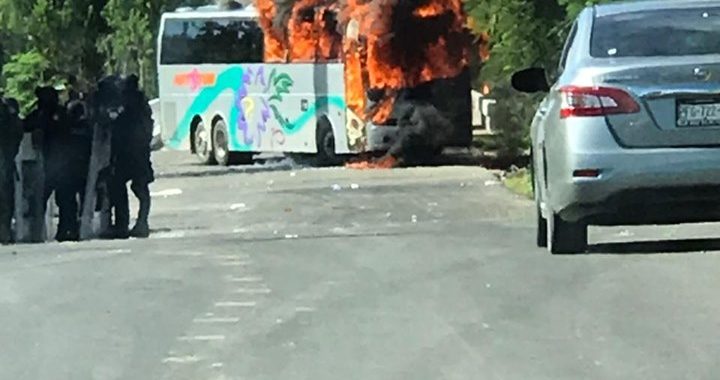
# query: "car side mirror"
{"type": "Point", "coordinates": [530, 80]}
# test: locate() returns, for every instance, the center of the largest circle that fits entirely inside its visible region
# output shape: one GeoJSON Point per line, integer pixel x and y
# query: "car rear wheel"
{"type": "Point", "coordinates": [542, 229]}
{"type": "Point", "coordinates": [566, 237]}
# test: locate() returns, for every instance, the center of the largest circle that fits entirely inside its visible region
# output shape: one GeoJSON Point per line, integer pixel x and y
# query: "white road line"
{"type": "Point", "coordinates": [244, 279]}
{"type": "Point", "coordinates": [253, 291]}
{"type": "Point", "coordinates": [216, 320]}
{"type": "Point", "coordinates": [201, 338]}
{"type": "Point", "coordinates": [235, 304]}
{"type": "Point", "coordinates": [181, 359]}
{"type": "Point", "coordinates": [169, 235]}
{"type": "Point", "coordinates": [166, 193]}
{"type": "Point", "coordinates": [235, 263]}
{"type": "Point", "coordinates": [113, 251]}
{"type": "Point", "coordinates": [240, 256]}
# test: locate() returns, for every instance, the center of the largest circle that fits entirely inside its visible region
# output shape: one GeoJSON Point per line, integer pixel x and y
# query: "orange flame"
{"type": "Point", "coordinates": [275, 50]}
{"type": "Point", "coordinates": [378, 59]}
{"type": "Point", "coordinates": [386, 162]}
{"type": "Point", "coordinates": [429, 10]}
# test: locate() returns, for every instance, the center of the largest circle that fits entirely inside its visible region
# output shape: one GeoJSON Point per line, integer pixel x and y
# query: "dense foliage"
{"type": "Point", "coordinates": [46, 41]}
{"type": "Point", "coordinates": [523, 33]}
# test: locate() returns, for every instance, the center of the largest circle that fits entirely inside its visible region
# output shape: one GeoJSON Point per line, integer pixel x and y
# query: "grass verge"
{"type": "Point", "coordinates": [519, 182]}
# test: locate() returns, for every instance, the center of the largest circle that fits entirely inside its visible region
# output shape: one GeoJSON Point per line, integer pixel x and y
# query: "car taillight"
{"type": "Point", "coordinates": [595, 101]}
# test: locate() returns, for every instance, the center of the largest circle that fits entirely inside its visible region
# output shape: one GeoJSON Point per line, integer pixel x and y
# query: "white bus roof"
{"type": "Point", "coordinates": [212, 11]}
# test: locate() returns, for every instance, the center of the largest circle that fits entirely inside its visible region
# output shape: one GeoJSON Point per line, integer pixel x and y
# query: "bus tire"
{"type": "Point", "coordinates": [202, 145]}
{"type": "Point", "coordinates": [325, 140]}
{"type": "Point", "coordinates": [221, 148]}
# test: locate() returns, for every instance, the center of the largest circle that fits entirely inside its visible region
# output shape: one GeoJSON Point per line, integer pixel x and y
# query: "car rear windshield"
{"type": "Point", "coordinates": [667, 32]}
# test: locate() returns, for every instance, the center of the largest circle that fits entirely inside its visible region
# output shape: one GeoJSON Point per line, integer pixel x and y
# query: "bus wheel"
{"type": "Point", "coordinates": [325, 140]}
{"type": "Point", "coordinates": [221, 148]}
{"type": "Point", "coordinates": [202, 145]}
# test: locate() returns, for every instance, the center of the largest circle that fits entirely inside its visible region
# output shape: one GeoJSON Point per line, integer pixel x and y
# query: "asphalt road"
{"type": "Point", "coordinates": [277, 272]}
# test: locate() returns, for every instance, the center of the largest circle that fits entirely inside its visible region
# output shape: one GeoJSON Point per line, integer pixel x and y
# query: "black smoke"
{"type": "Point", "coordinates": [432, 116]}
{"type": "Point", "coordinates": [283, 12]}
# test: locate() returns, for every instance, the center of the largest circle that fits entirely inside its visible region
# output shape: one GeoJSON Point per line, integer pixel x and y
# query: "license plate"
{"type": "Point", "coordinates": [698, 114]}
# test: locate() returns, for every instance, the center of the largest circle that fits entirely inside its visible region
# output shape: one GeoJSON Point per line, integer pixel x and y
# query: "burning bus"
{"type": "Point", "coordinates": [328, 78]}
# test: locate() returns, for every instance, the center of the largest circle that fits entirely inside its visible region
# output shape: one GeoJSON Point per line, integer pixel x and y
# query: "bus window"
{"type": "Point", "coordinates": [211, 41]}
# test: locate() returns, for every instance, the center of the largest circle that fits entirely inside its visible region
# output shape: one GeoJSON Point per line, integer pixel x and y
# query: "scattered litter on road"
{"type": "Point", "coordinates": [275, 232]}
{"type": "Point", "coordinates": [354, 186]}
{"type": "Point", "coordinates": [237, 206]}
{"type": "Point", "coordinates": [432, 204]}
{"type": "Point", "coordinates": [293, 174]}
{"type": "Point", "coordinates": [216, 365]}
{"type": "Point", "coordinates": [291, 236]}
{"type": "Point", "coordinates": [485, 326]}
{"type": "Point", "coordinates": [240, 230]}
{"type": "Point", "coordinates": [388, 215]}
{"type": "Point", "coordinates": [166, 193]}
{"type": "Point", "coordinates": [304, 309]}
{"type": "Point", "coordinates": [414, 218]}
{"type": "Point", "coordinates": [492, 183]}
{"type": "Point", "coordinates": [488, 286]}
{"type": "Point", "coordinates": [336, 187]}
{"type": "Point", "coordinates": [462, 184]}
{"type": "Point", "coordinates": [270, 182]}
{"type": "Point", "coordinates": [288, 209]}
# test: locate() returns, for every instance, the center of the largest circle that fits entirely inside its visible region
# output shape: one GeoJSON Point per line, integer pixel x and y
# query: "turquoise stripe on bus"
{"type": "Point", "coordinates": [230, 79]}
{"type": "Point", "coordinates": [233, 79]}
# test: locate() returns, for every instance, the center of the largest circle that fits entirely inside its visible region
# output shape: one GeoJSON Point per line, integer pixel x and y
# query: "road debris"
{"type": "Point", "coordinates": [414, 219]}
{"type": "Point", "coordinates": [291, 236]}
{"type": "Point", "coordinates": [354, 186]}
{"type": "Point", "coordinates": [336, 187]}
{"type": "Point", "coordinates": [166, 193]}
{"type": "Point", "coordinates": [237, 206]}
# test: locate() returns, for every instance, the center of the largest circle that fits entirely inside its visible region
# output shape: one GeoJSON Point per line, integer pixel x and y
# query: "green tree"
{"type": "Point", "coordinates": [129, 47]}
{"type": "Point", "coordinates": [523, 33]}
{"type": "Point", "coordinates": [23, 73]}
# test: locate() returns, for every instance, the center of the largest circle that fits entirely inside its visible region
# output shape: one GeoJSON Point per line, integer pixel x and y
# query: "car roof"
{"type": "Point", "coordinates": [645, 5]}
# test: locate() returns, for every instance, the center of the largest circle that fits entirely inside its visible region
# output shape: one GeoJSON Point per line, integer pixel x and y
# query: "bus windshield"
{"type": "Point", "coordinates": [211, 41]}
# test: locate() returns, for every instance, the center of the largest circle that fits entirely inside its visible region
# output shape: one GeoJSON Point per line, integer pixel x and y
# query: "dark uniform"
{"type": "Point", "coordinates": [11, 134]}
{"type": "Point", "coordinates": [74, 164]}
{"type": "Point", "coordinates": [131, 137]}
{"type": "Point", "coordinates": [48, 123]}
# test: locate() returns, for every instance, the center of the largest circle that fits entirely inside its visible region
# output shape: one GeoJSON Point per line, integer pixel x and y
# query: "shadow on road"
{"type": "Point", "coordinates": [657, 246]}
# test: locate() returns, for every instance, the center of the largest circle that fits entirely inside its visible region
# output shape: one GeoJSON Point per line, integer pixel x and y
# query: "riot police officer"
{"type": "Point", "coordinates": [11, 134]}
{"type": "Point", "coordinates": [130, 161]}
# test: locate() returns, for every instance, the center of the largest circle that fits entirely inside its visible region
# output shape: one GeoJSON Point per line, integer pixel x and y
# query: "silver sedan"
{"type": "Point", "coordinates": [629, 132]}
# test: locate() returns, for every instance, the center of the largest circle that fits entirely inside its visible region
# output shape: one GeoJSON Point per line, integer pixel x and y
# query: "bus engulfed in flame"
{"type": "Point", "coordinates": [406, 63]}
